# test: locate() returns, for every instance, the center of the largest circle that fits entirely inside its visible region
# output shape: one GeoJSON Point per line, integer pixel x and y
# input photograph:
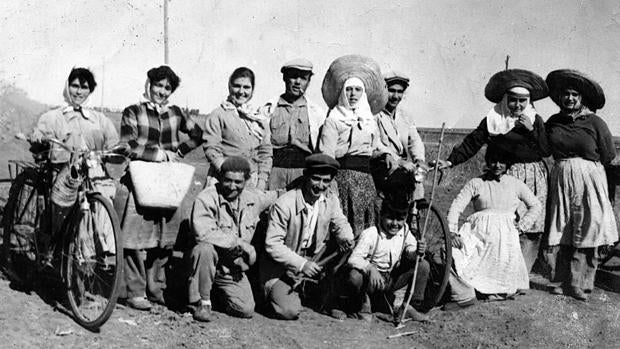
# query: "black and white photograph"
{"type": "Point", "coordinates": [309, 174]}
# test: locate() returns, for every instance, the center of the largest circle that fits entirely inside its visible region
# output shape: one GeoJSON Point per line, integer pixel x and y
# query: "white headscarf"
{"type": "Point", "coordinates": [360, 113]}
{"type": "Point", "coordinates": [72, 105]}
{"type": "Point", "coordinates": [500, 120]}
{"type": "Point", "coordinates": [253, 118]}
{"type": "Point", "coordinates": [148, 99]}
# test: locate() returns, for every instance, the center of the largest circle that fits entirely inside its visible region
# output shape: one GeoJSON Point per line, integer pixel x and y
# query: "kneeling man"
{"type": "Point", "coordinates": [303, 224]}
{"type": "Point", "coordinates": [382, 263]}
{"type": "Point", "coordinates": [224, 219]}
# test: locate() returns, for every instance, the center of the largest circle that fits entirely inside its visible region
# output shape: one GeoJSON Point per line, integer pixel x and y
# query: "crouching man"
{"type": "Point", "coordinates": [306, 229]}
{"type": "Point", "coordinates": [224, 219]}
{"type": "Point", "coordinates": [382, 263]}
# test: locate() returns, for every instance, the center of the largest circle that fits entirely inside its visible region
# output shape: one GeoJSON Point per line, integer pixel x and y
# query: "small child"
{"type": "Point", "coordinates": [382, 262]}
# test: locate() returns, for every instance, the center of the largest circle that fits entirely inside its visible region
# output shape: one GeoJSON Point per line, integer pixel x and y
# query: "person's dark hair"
{"type": "Point", "coordinates": [398, 209]}
{"type": "Point", "coordinates": [83, 75]}
{"type": "Point", "coordinates": [236, 164]}
{"type": "Point", "coordinates": [164, 72]}
{"type": "Point", "coordinates": [242, 72]}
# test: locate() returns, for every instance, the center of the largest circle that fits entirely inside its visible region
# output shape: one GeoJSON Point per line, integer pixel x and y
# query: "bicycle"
{"type": "Point", "coordinates": [86, 252]}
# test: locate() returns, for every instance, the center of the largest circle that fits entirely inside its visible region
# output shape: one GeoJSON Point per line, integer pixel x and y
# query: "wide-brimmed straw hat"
{"type": "Point", "coordinates": [363, 68]}
{"type": "Point", "coordinates": [504, 80]}
{"type": "Point", "coordinates": [592, 92]}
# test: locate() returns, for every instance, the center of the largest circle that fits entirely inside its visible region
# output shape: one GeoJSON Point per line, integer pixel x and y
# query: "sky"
{"type": "Point", "coordinates": [449, 49]}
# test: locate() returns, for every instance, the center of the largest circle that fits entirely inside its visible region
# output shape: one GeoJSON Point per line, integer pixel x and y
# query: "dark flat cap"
{"type": "Point", "coordinates": [322, 161]}
{"type": "Point", "coordinates": [298, 64]}
{"type": "Point", "coordinates": [561, 79]}
{"type": "Point", "coordinates": [504, 80]}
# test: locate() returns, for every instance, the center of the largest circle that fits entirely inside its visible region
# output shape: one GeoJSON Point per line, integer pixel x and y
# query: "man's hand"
{"type": "Point", "coordinates": [441, 164]}
{"type": "Point", "coordinates": [345, 245]}
{"type": "Point", "coordinates": [375, 280]}
{"type": "Point", "coordinates": [311, 269]}
{"type": "Point", "coordinates": [407, 165]}
{"type": "Point", "coordinates": [249, 252]}
{"type": "Point", "coordinates": [456, 240]}
{"type": "Point", "coordinates": [421, 247]}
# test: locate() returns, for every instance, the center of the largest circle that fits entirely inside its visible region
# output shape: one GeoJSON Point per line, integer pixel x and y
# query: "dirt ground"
{"type": "Point", "coordinates": [535, 320]}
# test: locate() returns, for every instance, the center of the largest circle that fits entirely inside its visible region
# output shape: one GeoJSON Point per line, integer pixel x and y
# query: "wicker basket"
{"type": "Point", "coordinates": [160, 184]}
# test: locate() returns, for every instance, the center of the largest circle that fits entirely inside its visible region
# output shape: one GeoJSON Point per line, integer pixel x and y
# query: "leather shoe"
{"type": "Point", "coordinates": [578, 294]}
{"type": "Point", "coordinates": [203, 313]}
{"type": "Point", "coordinates": [453, 306]}
{"type": "Point", "coordinates": [559, 290]}
{"type": "Point", "coordinates": [139, 303]}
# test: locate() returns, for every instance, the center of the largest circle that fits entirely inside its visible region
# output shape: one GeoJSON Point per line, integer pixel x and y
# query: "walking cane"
{"type": "Point", "coordinates": [411, 287]}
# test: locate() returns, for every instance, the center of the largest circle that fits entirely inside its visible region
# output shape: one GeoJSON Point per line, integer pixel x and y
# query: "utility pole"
{"type": "Point", "coordinates": [102, 80]}
{"type": "Point", "coordinates": [166, 55]}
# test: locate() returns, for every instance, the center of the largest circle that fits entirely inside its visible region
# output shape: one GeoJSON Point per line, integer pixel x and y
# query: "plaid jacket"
{"type": "Point", "coordinates": [148, 133]}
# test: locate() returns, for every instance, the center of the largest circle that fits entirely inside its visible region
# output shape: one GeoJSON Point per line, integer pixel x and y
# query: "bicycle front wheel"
{"type": "Point", "coordinates": [93, 263]}
{"type": "Point", "coordinates": [438, 252]}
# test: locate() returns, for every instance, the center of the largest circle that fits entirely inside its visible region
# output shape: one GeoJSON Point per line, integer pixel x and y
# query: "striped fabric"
{"type": "Point", "coordinates": [149, 133]}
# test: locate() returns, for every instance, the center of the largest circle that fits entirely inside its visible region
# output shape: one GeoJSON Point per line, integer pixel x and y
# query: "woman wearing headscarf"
{"type": "Point", "coordinates": [153, 129]}
{"type": "Point", "coordinates": [513, 130]}
{"type": "Point", "coordinates": [80, 128]}
{"type": "Point", "coordinates": [350, 133]}
{"type": "Point", "coordinates": [236, 129]}
{"type": "Point", "coordinates": [580, 219]}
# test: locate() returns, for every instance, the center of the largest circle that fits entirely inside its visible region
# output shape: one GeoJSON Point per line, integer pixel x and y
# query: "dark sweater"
{"type": "Point", "coordinates": [518, 145]}
{"type": "Point", "coordinates": [586, 137]}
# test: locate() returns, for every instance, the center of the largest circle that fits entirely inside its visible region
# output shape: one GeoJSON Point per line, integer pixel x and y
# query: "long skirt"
{"type": "Point", "coordinates": [534, 175]}
{"type": "Point", "coordinates": [579, 212]}
{"type": "Point", "coordinates": [490, 260]}
{"type": "Point", "coordinates": [357, 194]}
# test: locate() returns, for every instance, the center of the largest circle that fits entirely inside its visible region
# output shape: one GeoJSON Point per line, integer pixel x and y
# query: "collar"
{"type": "Point", "coordinates": [384, 235]}
{"type": "Point", "coordinates": [75, 111]}
{"type": "Point", "coordinates": [300, 102]}
{"type": "Point", "coordinates": [388, 113]}
{"type": "Point", "coordinates": [243, 200]}
{"type": "Point", "coordinates": [300, 202]}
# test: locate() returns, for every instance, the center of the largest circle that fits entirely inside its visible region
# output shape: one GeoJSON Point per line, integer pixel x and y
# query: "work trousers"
{"type": "Point", "coordinates": [145, 273]}
{"type": "Point", "coordinates": [571, 266]}
{"type": "Point", "coordinates": [363, 298]}
{"type": "Point", "coordinates": [231, 291]}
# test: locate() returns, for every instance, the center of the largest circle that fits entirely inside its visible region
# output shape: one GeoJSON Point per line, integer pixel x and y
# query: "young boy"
{"type": "Point", "coordinates": [382, 262]}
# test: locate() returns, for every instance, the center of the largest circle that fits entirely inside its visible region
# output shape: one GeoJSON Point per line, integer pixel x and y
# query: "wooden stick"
{"type": "Point", "coordinates": [411, 287]}
{"type": "Point", "coordinates": [402, 334]}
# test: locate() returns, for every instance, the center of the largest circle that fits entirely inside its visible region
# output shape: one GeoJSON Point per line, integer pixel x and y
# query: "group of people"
{"type": "Point", "coordinates": [309, 205]}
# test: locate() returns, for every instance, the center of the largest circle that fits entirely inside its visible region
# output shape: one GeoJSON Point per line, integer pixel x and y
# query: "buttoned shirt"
{"type": "Point", "coordinates": [399, 135]}
{"type": "Point", "coordinates": [312, 216]}
{"type": "Point", "coordinates": [387, 251]}
{"type": "Point", "coordinates": [85, 129]}
{"type": "Point", "coordinates": [150, 133]}
{"type": "Point", "coordinates": [226, 224]}
{"type": "Point", "coordinates": [290, 126]}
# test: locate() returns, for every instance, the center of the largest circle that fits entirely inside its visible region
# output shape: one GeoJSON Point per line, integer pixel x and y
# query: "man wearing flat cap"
{"type": "Point", "coordinates": [306, 226]}
{"type": "Point", "coordinates": [224, 219]}
{"type": "Point", "coordinates": [295, 124]}
{"type": "Point", "coordinates": [403, 146]}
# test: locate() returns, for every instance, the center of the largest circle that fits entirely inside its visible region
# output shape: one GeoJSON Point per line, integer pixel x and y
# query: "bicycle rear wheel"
{"type": "Point", "coordinates": [438, 252]}
{"type": "Point", "coordinates": [93, 263]}
{"type": "Point", "coordinates": [22, 217]}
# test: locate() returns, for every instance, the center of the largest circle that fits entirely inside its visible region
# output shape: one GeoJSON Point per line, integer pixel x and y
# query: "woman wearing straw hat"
{"type": "Point", "coordinates": [236, 129]}
{"type": "Point", "coordinates": [580, 219]}
{"type": "Point", "coordinates": [354, 91]}
{"type": "Point", "coordinates": [512, 130]}
{"type": "Point", "coordinates": [152, 128]}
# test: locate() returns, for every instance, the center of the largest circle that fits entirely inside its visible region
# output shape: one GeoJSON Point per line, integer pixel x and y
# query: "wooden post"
{"type": "Point", "coordinates": [166, 54]}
